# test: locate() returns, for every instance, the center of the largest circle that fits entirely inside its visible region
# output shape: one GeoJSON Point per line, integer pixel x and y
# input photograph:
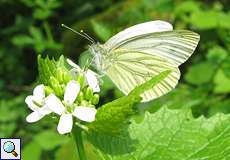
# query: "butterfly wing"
{"type": "Point", "coordinates": [143, 51]}
{"type": "Point", "coordinates": [175, 46]}
{"type": "Point", "coordinates": [134, 68]}
{"type": "Point", "coordinates": [139, 29]}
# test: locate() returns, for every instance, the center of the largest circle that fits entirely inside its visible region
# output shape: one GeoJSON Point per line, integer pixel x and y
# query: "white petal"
{"type": "Point", "coordinates": [55, 104]}
{"type": "Point", "coordinates": [44, 110]}
{"type": "Point", "coordinates": [74, 65]}
{"type": "Point", "coordinates": [86, 114]}
{"type": "Point", "coordinates": [34, 117]}
{"type": "Point", "coordinates": [30, 103]}
{"type": "Point", "coordinates": [65, 124]}
{"type": "Point", "coordinates": [39, 92]}
{"type": "Point", "coordinates": [71, 91]}
{"type": "Point", "coordinates": [92, 80]}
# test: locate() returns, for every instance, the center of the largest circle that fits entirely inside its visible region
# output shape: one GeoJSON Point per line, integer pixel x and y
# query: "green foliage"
{"type": "Point", "coordinates": [200, 73]}
{"type": "Point", "coordinates": [168, 135]}
{"type": "Point", "coordinates": [67, 151]}
{"type": "Point", "coordinates": [11, 112]}
{"type": "Point", "coordinates": [48, 140]}
{"type": "Point", "coordinates": [217, 54]}
{"type": "Point", "coordinates": [44, 141]}
{"type": "Point", "coordinates": [42, 9]}
{"type": "Point", "coordinates": [32, 151]}
{"type": "Point", "coordinates": [222, 83]}
{"type": "Point", "coordinates": [36, 39]}
{"type": "Point", "coordinates": [101, 30]}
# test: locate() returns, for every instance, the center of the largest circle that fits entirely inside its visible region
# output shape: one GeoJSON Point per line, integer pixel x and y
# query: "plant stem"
{"type": "Point", "coordinates": [77, 136]}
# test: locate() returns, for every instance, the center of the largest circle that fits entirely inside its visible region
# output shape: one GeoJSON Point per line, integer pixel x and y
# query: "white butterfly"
{"type": "Point", "coordinates": [141, 52]}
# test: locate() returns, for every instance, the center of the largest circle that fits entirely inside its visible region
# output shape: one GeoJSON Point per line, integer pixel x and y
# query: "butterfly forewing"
{"type": "Point", "coordinates": [175, 46]}
{"type": "Point", "coordinates": [139, 29]}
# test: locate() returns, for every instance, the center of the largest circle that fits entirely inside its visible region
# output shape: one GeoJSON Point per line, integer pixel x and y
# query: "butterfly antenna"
{"type": "Point", "coordinates": [83, 35]}
{"type": "Point", "coordinates": [87, 36]}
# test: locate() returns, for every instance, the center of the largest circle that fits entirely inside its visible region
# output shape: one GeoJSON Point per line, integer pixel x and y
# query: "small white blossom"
{"type": "Point", "coordinates": [91, 77]}
{"type": "Point", "coordinates": [66, 109]}
{"type": "Point", "coordinates": [36, 103]}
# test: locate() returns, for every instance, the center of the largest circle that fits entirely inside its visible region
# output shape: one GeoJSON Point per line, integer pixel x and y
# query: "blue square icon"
{"type": "Point", "coordinates": [10, 148]}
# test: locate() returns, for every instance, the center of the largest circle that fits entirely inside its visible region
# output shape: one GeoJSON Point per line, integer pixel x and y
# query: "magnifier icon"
{"type": "Point", "coordinates": [9, 147]}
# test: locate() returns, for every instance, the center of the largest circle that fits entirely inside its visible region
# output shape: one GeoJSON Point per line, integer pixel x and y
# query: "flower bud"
{"type": "Point", "coordinates": [66, 77]}
{"type": "Point", "coordinates": [48, 90]}
{"type": "Point", "coordinates": [80, 96]}
{"type": "Point", "coordinates": [81, 79]}
{"type": "Point", "coordinates": [88, 93]}
{"type": "Point", "coordinates": [63, 86]}
{"type": "Point", "coordinates": [58, 90]}
{"type": "Point", "coordinates": [53, 81]}
{"type": "Point", "coordinates": [84, 103]}
{"type": "Point", "coordinates": [95, 99]}
{"type": "Point", "coordinates": [60, 75]}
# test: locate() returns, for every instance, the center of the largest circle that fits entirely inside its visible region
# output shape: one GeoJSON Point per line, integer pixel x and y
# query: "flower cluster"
{"type": "Point", "coordinates": [79, 100]}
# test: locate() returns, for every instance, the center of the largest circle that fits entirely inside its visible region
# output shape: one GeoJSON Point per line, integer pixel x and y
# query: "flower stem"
{"type": "Point", "coordinates": [77, 136]}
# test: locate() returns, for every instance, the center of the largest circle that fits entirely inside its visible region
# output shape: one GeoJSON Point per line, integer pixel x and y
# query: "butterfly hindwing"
{"type": "Point", "coordinates": [129, 72]}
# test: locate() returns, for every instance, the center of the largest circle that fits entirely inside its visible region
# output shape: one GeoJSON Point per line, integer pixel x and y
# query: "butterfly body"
{"type": "Point", "coordinates": [141, 52]}
{"type": "Point", "coordinates": [102, 60]}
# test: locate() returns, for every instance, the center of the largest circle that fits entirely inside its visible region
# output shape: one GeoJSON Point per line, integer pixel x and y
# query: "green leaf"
{"type": "Point", "coordinates": [210, 19]}
{"type": "Point", "coordinates": [149, 84]}
{"type": "Point", "coordinates": [11, 112]}
{"type": "Point", "coordinates": [187, 7]}
{"type": "Point", "coordinates": [205, 19]}
{"type": "Point", "coordinates": [224, 20]}
{"type": "Point", "coordinates": [39, 41]}
{"type": "Point", "coordinates": [217, 54]}
{"type": "Point", "coordinates": [49, 139]}
{"type": "Point", "coordinates": [226, 66]}
{"type": "Point", "coordinates": [41, 14]}
{"type": "Point", "coordinates": [222, 82]}
{"type": "Point", "coordinates": [168, 135]}
{"type": "Point", "coordinates": [200, 73]}
{"type": "Point", "coordinates": [52, 4]}
{"type": "Point", "coordinates": [32, 151]}
{"type": "Point", "coordinates": [22, 40]}
{"type": "Point", "coordinates": [29, 3]}
{"type": "Point", "coordinates": [113, 117]}
{"type": "Point", "coordinates": [220, 106]}
{"type": "Point", "coordinates": [101, 30]}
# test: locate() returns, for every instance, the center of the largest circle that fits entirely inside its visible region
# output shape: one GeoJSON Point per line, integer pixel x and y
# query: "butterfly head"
{"type": "Point", "coordinates": [99, 53]}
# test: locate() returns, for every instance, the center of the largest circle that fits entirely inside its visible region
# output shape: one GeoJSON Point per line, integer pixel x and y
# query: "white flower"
{"type": "Point", "coordinates": [66, 109]}
{"type": "Point", "coordinates": [36, 103]}
{"type": "Point", "coordinates": [91, 76]}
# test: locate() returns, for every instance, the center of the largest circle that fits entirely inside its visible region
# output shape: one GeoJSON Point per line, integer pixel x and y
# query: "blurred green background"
{"type": "Point", "coordinates": [32, 27]}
